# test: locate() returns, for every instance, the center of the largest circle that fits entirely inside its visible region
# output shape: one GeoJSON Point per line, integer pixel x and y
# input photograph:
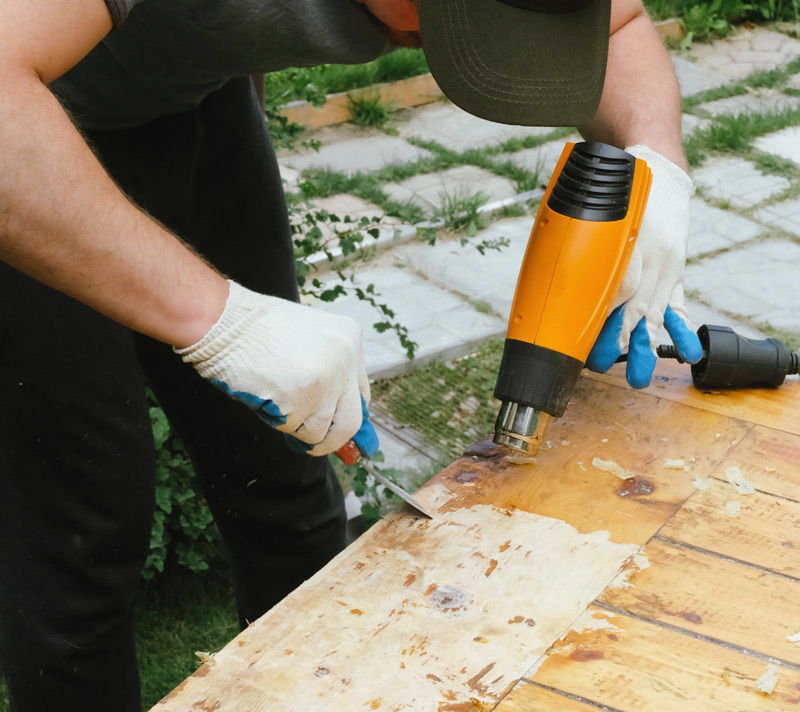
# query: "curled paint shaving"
{"type": "Point", "coordinates": [794, 639]}
{"type": "Point", "coordinates": [735, 477]}
{"type": "Point", "coordinates": [612, 467]}
{"type": "Point", "coordinates": [768, 680]}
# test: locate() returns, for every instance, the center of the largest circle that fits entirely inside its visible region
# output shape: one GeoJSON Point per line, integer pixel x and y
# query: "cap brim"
{"type": "Point", "coordinates": [516, 66]}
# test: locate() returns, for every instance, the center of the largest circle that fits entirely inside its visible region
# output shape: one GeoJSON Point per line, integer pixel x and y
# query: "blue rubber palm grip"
{"type": "Point", "coordinates": [366, 438]}
{"type": "Point", "coordinates": [686, 341]}
{"type": "Point", "coordinates": [263, 408]}
{"type": "Point", "coordinates": [606, 349]}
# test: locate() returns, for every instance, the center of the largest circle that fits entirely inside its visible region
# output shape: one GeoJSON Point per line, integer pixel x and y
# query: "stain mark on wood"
{"type": "Point", "coordinates": [356, 612]}
{"type": "Point", "coordinates": [585, 656]}
{"type": "Point", "coordinates": [466, 477]}
{"type": "Point", "coordinates": [636, 487]}
{"type": "Point", "coordinates": [474, 682]}
{"type": "Point", "coordinates": [449, 599]}
{"type": "Point", "coordinates": [692, 618]}
{"type": "Point", "coordinates": [492, 567]}
{"type": "Point", "coordinates": [505, 547]}
{"type": "Point", "coordinates": [410, 579]}
{"type": "Point", "coordinates": [321, 671]}
{"type": "Point", "coordinates": [517, 619]}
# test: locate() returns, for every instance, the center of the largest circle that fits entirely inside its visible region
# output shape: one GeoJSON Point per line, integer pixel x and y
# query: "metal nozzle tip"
{"type": "Point", "coordinates": [520, 427]}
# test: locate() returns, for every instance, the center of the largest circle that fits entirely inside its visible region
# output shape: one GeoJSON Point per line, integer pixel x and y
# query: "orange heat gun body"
{"type": "Point", "coordinates": [576, 257]}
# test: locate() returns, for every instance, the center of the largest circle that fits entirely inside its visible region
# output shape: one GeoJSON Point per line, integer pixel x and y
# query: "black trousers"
{"type": "Point", "coordinates": [76, 451]}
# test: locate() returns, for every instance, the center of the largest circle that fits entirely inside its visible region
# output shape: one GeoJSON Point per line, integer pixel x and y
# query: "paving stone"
{"type": "Point", "coordinates": [748, 51]}
{"type": "Point", "coordinates": [431, 190]}
{"type": "Point", "coordinates": [712, 229]}
{"type": "Point", "coordinates": [759, 282]}
{"type": "Point", "coordinates": [542, 158]}
{"type": "Point", "coordinates": [757, 101]}
{"type": "Point", "coordinates": [784, 143]}
{"type": "Point", "coordinates": [691, 123]}
{"type": "Point", "coordinates": [490, 277]}
{"type": "Point", "coordinates": [693, 78]}
{"type": "Point", "coordinates": [457, 130]}
{"type": "Point", "coordinates": [737, 181]}
{"type": "Point", "coordinates": [349, 149]}
{"type": "Point", "coordinates": [793, 82]}
{"type": "Point", "coordinates": [785, 215]}
{"type": "Point", "coordinates": [443, 325]}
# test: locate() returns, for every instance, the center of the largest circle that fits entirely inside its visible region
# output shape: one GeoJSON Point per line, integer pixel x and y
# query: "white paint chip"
{"type": "Point", "coordinates": [766, 683]}
{"type": "Point", "coordinates": [674, 465]}
{"type": "Point", "coordinates": [703, 483]}
{"type": "Point", "coordinates": [612, 467]}
{"type": "Point", "coordinates": [794, 639]}
{"type": "Point", "coordinates": [735, 477]}
{"type": "Point", "coordinates": [733, 509]}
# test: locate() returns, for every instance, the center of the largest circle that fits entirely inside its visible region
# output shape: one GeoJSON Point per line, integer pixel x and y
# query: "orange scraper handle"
{"type": "Point", "coordinates": [349, 454]}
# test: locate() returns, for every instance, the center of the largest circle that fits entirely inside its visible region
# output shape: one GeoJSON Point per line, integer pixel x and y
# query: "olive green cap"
{"type": "Point", "coordinates": [527, 62]}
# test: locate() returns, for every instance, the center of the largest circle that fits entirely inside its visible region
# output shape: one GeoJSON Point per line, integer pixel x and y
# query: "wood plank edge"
{"type": "Point", "coordinates": [699, 636]}
{"type": "Point", "coordinates": [568, 695]}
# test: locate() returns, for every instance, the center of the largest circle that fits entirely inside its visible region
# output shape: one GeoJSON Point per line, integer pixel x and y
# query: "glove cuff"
{"type": "Point", "coordinates": [671, 179]}
{"type": "Point", "coordinates": [237, 307]}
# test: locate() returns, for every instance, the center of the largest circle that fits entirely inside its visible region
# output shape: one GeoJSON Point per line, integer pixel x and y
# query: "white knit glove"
{"type": "Point", "coordinates": [652, 290]}
{"type": "Point", "coordinates": [300, 369]}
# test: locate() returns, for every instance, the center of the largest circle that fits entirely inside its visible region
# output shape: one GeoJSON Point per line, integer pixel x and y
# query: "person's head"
{"type": "Point", "coordinates": [532, 62]}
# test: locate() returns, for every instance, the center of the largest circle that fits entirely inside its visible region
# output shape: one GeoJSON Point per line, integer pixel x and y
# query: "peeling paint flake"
{"type": "Point", "coordinates": [768, 680]}
{"type": "Point", "coordinates": [612, 467]}
{"type": "Point", "coordinates": [735, 477]}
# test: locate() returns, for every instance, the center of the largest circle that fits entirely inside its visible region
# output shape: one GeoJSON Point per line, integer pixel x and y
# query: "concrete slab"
{"type": "Point", "coordinates": [489, 278]}
{"type": "Point", "coordinates": [431, 191]}
{"type": "Point", "coordinates": [784, 143]}
{"type": "Point", "coordinates": [350, 149]}
{"type": "Point", "coordinates": [785, 215]}
{"type": "Point", "coordinates": [759, 283]}
{"type": "Point", "coordinates": [737, 181]}
{"type": "Point", "coordinates": [442, 324]}
{"type": "Point", "coordinates": [712, 229]}
{"type": "Point", "coordinates": [748, 51]}
{"type": "Point", "coordinates": [457, 130]}
{"type": "Point", "coordinates": [691, 123]}
{"type": "Point", "coordinates": [694, 78]}
{"type": "Point", "coordinates": [757, 101]}
{"type": "Point", "coordinates": [541, 160]}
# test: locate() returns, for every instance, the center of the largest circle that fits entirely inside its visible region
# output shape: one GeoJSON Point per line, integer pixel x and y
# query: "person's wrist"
{"type": "Point", "coordinates": [207, 304]}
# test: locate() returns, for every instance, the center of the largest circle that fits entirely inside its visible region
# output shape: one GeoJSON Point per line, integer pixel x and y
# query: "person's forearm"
{"type": "Point", "coordinates": [65, 223]}
{"type": "Point", "coordinates": [641, 98]}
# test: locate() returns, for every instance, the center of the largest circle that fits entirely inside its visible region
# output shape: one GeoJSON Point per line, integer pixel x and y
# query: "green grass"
{"type": "Point", "coordinates": [370, 111]}
{"type": "Point", "coordinates": [315, 82]}
{"type": "Point", "coordinates": [450, 404]}
{"type": "Point", "coordinates": [175, 616]}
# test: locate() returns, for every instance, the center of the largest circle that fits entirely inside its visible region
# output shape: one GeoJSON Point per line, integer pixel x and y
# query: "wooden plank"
{"type": "Point", "coordinates": [713, 597]}
{"type": "Point", "coordinates": [776, 408]}
{"type": "Point", "coordinates": [766, 534]}
{"type": "Point", "coordinates": [438, 615]}
{"type": "Point", "coordinates": [770, 460]}
{"type": "Point", "coordinates": [638, 432]}
{"type": "Point", "coordinates": [635, 665]}
{"type": "Point", "coordinates": [534, 698]}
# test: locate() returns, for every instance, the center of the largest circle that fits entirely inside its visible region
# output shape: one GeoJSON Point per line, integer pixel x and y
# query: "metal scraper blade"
{"type": "Point", "coordinates": [400, 492]}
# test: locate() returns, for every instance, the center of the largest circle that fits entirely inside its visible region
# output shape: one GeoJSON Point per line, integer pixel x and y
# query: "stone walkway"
{"type": "Point", "coordinates": [744, 252]}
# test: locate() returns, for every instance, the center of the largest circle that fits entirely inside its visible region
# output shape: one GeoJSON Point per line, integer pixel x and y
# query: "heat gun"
{"type": "Point", "coordinates": [577, 255]}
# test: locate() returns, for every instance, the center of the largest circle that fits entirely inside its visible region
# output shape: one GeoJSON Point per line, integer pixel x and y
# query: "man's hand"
{"type": "Point", "coordinates": [652, 290]}
{"type": "Point", "coordinates": [300, 369]}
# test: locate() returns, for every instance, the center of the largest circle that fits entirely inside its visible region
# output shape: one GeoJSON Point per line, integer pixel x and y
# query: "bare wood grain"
{"type": "Point", "coordinates": [777, 408]}
{"type": "Point", "coordinates": [766, 534]}
{"type": "Point", "coordinates": [713, 597]}
{"type": "Point", "coordinates": [636, 665]}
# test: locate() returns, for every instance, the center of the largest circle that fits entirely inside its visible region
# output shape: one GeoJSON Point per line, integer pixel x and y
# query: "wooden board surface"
{"type": "Point", "coordinates": [776, 408]}
{"type": "Point", "coordinates": [636, 665]}
{"type": "Point", "coordinates": [449, 614]}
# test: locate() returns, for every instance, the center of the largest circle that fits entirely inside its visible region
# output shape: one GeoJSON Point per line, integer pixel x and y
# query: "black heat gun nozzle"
{"type": "Point", "coordinates": [734, 361]}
